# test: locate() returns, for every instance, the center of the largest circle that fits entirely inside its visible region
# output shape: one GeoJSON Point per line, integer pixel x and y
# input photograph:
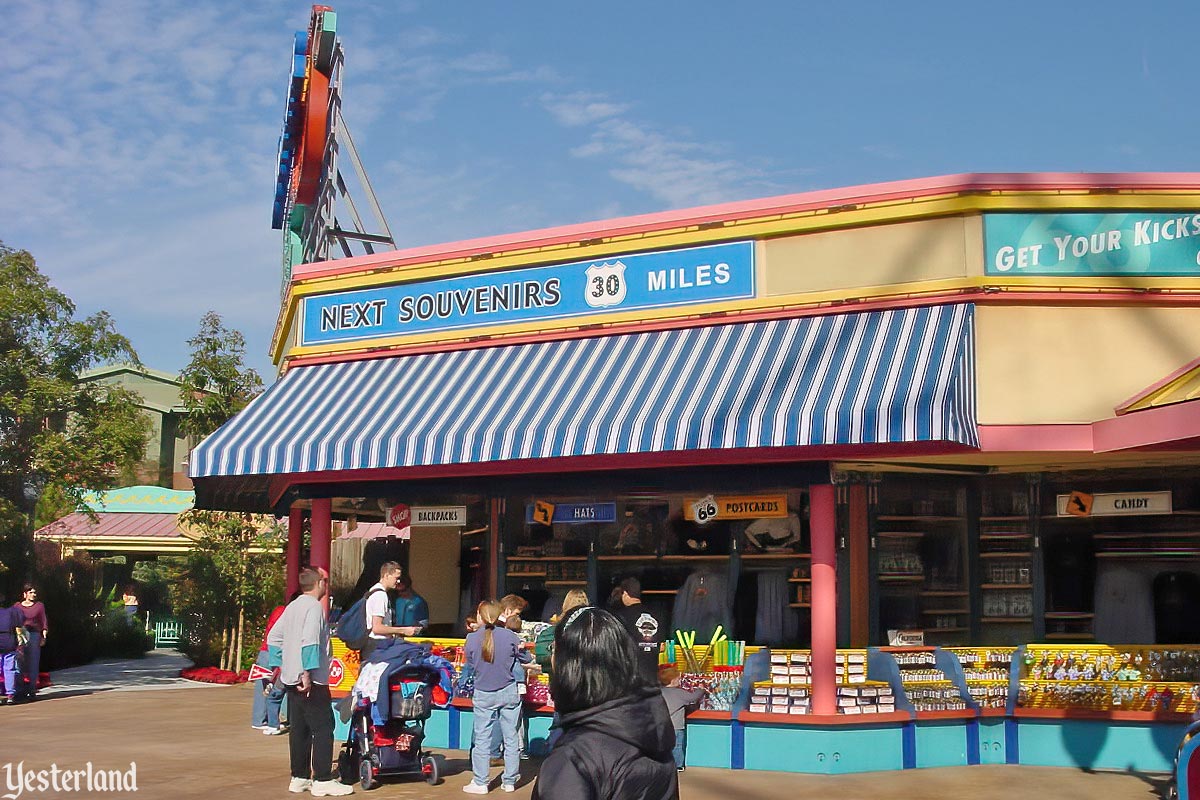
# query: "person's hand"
{"type": "Point", "coordinates": [305, 682]}
{"type": "Point", "coordinates": [43, 637]}
{"type": "Point", "coordinates": [410, 630]}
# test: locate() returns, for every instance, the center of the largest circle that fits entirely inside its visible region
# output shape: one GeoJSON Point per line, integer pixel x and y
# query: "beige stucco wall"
{"type": "Point", "coordinates": [1040, 364]}
{"type": "Point", "coordinates": [883, 255]}
{"type": "Point", "coordinates": [433, 563]}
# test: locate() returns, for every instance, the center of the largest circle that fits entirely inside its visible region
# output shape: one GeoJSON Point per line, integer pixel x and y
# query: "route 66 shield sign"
{"type": "Point", "coordinates": [605, 285]}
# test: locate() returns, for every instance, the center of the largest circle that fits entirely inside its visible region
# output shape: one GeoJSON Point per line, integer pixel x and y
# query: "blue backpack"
{"type": "Point", "coordinates": [352, 625]}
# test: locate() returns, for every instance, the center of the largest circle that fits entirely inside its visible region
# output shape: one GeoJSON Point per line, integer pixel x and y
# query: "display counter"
{"type": "Point", "coordinates": [1090, 706]}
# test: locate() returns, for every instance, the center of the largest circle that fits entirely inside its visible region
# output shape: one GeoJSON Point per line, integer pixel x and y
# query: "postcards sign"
{"type": "Point", "coordinates": [631, 282]}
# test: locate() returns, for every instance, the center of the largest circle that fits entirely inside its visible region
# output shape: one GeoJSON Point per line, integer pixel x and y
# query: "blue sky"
{"type": "Point", "coordinates": [138, 138]}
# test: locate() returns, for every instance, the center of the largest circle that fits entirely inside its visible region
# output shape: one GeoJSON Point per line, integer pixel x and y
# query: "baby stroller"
{"type": "Point", "coordinates": [375, 749]}
{"type": "Point", "coordinates": [1185, 783]}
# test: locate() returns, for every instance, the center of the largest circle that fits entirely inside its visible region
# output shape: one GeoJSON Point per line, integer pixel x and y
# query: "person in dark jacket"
{"type": "Point", "coordinates": [10, 620]}
{"type": "Point", "coordinates": [616, 732]}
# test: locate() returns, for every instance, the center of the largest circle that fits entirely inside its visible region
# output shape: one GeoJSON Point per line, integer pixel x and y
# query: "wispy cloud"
{"type": "Point", "coordinates": [581, 108]}
{"type": "Point", "coordinates": [673, 168]}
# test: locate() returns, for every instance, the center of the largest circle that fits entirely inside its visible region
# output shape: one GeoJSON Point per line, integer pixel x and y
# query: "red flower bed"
{"type": "Point", "coordinates": [214, 675]}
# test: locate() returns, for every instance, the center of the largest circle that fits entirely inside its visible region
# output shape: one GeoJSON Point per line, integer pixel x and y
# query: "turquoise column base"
{"type": "Point", "coordinates": [709, 743]}
{"type": "Point", "coordinates": [941, 744]}
{"type": "Point", "coordinates": [1141, 747]}
{"type": "Point", "coordinates": [830, 750]}
{"type": "Point", "coordinates": [992, 749]}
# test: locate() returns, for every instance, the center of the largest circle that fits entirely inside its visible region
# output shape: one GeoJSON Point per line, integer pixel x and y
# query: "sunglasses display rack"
{"type": "Point", "coordinates": [988, 673]}
{"type": "Point", "coordinates": [1161, 679]}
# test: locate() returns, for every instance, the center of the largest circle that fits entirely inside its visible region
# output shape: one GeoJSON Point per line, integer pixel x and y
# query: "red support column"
{"type": "Point", "coordinates": [322, 537]}
{"type": "Point", "coordinates": [295, 545]}
{"type": "Point", "coordinates": [493, 554]}
{"type": "Point", "coordinates": [823, 530]}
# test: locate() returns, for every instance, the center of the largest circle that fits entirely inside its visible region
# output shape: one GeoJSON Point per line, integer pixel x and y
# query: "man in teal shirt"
{"type": "Point", "coordinates": [410, 609]}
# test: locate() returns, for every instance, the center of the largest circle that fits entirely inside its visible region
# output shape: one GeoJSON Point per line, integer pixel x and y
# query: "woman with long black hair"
{"type": "Point", "coordinates": [616, 732]}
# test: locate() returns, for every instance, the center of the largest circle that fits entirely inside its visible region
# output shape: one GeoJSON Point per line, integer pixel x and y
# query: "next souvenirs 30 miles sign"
{"type": "Point", "coordinates": [629, 282]}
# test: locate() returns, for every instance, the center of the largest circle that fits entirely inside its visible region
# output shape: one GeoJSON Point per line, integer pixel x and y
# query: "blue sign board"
{"type": "Point", "coordinates": [1125, 244]}
{"type": "Point", "coordinates": [618, 283]}
{"type": "Point", "coordinates": [578, 513]}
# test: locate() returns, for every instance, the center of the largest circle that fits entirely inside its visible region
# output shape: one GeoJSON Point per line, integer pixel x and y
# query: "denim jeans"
{"type": "Point", "coordinates": [680, 746]}
{"type": "Point", "coordinates": [9, 666]}
{"type": "Point", "coordinates": [33, 662]}
{"type": "Point", "coordinates": [504, 707]}
{"type": "Point", "coordinates": [265, 710]}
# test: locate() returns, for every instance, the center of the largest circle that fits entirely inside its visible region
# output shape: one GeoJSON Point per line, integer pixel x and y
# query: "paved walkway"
{"type": "Point", "coordinates": [199, 744]}
{"type": "Point", "coordinates": [158, 670]}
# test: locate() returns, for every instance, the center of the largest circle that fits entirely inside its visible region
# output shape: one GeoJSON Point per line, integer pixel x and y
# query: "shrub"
{"type": "Point", "coordinates": [119, 637]}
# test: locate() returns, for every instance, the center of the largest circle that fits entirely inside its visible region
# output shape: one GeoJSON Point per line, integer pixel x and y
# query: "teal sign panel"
{"type": "Point", "coordinates": [1114, 245]}
{"type": "Point", "coordinates": [140, 500]}
{"type": "Point", "coordinates": [634, 281]}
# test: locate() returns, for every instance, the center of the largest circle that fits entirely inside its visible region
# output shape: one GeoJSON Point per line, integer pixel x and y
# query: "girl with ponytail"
{"type": "Point", "coordinates": [492, 653]}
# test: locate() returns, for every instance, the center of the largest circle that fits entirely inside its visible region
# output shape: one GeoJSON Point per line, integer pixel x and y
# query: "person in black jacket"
{"type": "Point", "coordinates": [616, 732]}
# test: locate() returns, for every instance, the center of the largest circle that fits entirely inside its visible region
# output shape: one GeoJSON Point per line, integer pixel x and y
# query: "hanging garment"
{"type": "Point", "coordinates": [1070, 572]}
{"type": "Point", "coordinates": [762, 534]}
{"type": "Point", "coordinates": [745, 606]}
{"type": "Point", "coordinates": [1124, 606]}
{"type": "Point", "coordinates": [1175, 597]}
{"type": "Point", "coordinates": [774, 622]}
{"type": "Point", "coordinates": [702, 604]}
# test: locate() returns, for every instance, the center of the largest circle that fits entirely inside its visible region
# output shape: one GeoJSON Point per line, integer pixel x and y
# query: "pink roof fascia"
{"type": "Point", "coordinates": [112, 525]}
{"type": "Point", "coordinates": [370, 530]}
{"type": "Point", "coordinates": [749, 209]}
{"type": "Point", "coordinates": [1151, 428]}
{"type": "Point", "coordinates": [1035, 438]}
{"type": "Point", "coordinates": [1176, 426]}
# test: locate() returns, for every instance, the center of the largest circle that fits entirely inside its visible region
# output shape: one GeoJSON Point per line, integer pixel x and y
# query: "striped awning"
{"type": "Point", "coordinates": [903, 375]}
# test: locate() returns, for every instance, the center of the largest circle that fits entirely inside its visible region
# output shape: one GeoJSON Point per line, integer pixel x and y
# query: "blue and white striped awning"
{"type": "Point", "coordinates": [904, 375]}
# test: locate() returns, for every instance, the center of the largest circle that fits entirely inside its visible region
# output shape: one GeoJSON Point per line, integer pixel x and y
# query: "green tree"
{"type": "Point", "coordinates": [55, 433]}
{"type": "Point", "coordinates": [227, 583]}
{"type": "Point", "coordinates": [216, 383]}
{"type": "Point", "coordinates": [234, 572]}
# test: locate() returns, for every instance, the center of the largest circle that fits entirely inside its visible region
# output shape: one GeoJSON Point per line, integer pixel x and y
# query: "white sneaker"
{"type": "Point", "coordinates": [475, 788]}
{"type": "Point", "coordinates": [259, 727]}
{"type": "Point", "coordinates": [330, 789]}
{"type": "Point", "coordinates": [272, 731]}
{"type": "Point", "coordinates": [507, 787]}
{"type": "Point", "coordinates": [299, 785]}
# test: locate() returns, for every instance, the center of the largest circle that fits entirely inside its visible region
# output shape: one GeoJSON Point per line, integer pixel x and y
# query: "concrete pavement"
{"type": "Point", "coordinates": [158, 670]}
{"type": "Point", "coordinates": [198, 743]}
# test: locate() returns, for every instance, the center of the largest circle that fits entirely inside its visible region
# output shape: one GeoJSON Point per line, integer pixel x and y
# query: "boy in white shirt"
{"type": "Point", "coordinates": [379, 609]}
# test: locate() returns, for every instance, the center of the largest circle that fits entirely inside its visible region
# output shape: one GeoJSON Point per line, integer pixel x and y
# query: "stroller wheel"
{"type": "Point", "coordinates": [431, 769]}
{"type": "Point", "coordinates": [366, 775]}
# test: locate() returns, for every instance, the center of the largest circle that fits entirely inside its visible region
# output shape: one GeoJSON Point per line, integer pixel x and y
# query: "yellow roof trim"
{"type": "Point", "coordinates": [843, 299]}
{"type": "Point", "coordinates": [800, 222]}
{"type": "Point", "coordinates": [1181, 387]}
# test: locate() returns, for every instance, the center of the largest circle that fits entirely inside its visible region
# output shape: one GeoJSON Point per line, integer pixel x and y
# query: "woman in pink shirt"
{"type": "Point", "coordinates": [35, 625]}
